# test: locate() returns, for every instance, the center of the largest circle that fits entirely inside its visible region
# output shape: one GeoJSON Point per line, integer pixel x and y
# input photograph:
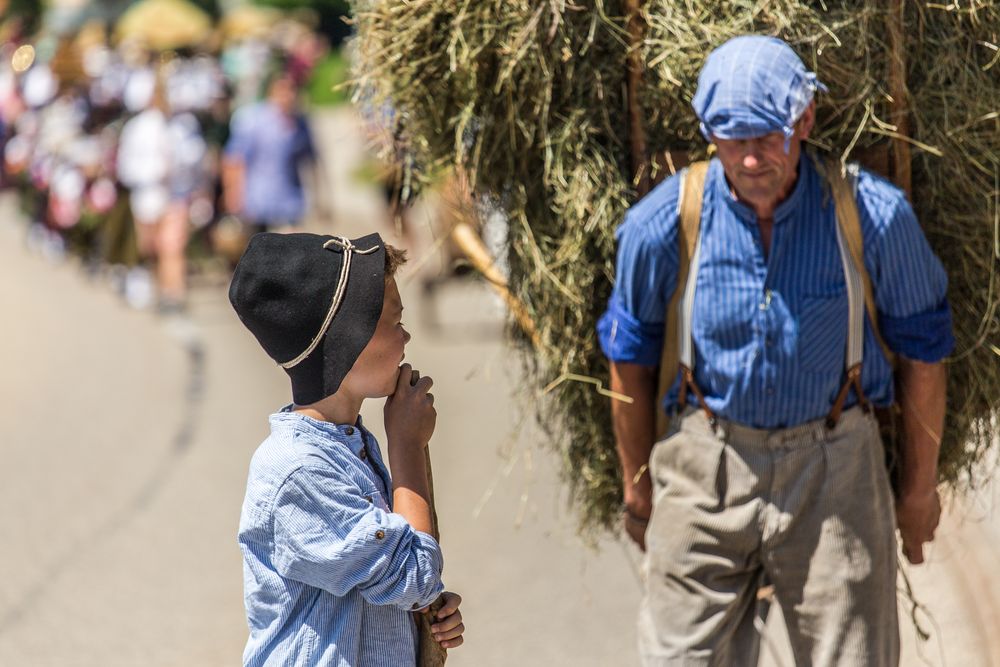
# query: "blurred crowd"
{"type": "Point", "coordinates": [138, 159]}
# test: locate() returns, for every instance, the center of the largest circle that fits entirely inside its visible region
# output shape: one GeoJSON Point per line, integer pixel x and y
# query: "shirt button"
{"type": "Point", "coordinates": [363, 454]}
{"type": "Point", "coordinates": [770, 391]}
{"type": "Point", "coordinates": [379, 534]}
{"type": "Point", "coordinates": [349, 430]}
{"type": "Point", "coordinates": [369, 499]}
{"type": "Point", "coordinates": [770, 341]}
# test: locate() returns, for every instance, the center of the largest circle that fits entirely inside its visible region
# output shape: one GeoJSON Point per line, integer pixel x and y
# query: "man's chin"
{"type": "Point", "coordinates": [757, 191]}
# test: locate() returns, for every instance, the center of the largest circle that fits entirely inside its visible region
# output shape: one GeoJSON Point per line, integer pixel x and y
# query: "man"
{"type": "Point", "coordinates": [270, 143]}
{"type": "Point", "coordinates": [760, 478]}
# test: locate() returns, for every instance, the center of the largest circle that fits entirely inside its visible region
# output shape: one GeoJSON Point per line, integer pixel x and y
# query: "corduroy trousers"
{"type": "Point", "coordinates": [808, 509]}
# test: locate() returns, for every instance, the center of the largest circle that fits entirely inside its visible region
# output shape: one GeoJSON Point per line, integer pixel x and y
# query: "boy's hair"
{"type": "Point", "coordinates": [394, 258]}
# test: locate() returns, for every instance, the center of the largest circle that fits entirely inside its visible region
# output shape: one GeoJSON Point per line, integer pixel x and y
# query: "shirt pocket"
{"type": "Point", "coordinates": [822, 339]}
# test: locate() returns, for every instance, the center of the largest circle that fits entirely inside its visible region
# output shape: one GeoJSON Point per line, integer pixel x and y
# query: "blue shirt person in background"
{"type": "Point", "coordinates": [337, 555]}
{"type": "Point", "coordinates": [770, 328]}
{"type": "Point", "coordinates": [269, 147]}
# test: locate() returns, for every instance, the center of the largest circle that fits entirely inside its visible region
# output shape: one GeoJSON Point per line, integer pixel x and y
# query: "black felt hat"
{"type": "Point", "coordinates": [310, 315]}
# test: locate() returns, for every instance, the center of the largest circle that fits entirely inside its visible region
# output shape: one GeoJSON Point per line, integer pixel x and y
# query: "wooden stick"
{"type": "Point", "coordinates": [900, 109]}
{"type": "Point", "coordinates": [430, 653]}
{"type": "Point", "coordinates": [637, 129]}
{"type": "Point", "coordinates": [478, 255]}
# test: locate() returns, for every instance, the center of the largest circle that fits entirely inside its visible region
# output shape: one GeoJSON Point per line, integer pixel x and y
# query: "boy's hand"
{"type": "Point", "coordinates": [409, 412]}
{"type": "Point", "coordinates": [448, 626]}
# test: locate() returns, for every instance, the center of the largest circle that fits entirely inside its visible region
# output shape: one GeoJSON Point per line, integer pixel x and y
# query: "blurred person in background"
{"type": "Point", "coordinates": [270, 143]}
{"type": "Point", "coordinates": [116, 151]}
{"type": "Point", "coordinates": [145, 154]}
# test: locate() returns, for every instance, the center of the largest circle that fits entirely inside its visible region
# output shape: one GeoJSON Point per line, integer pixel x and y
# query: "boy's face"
{"type": "Point", "coordinates": [376, 370]}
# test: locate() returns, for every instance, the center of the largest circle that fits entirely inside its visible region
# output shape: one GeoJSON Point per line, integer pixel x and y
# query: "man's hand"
{"type": "Point", "coordinates": [922, 390]}
{"type": "Point", "coordinates": [448, 626]}
{"type": "Point", "coordinates": [232, 202]}
{"type": "Point", "coordinates": [917, 517]}
{"type": "Point", "coordinates": [409, 413]}
{"type": "Point", "coordinates": [635, 527]}
{"type": "Point", "coordinates": [634, 424]}
{"type": "Point", "coordinates": [638, 506]}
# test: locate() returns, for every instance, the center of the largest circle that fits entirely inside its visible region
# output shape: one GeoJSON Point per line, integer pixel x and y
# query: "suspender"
{"type": "Point", "coordinates": [685, 309]}
{"type": "Point", "coordinates": [678, 345]}
{"type": "Point", "coordinates": [692, 188]}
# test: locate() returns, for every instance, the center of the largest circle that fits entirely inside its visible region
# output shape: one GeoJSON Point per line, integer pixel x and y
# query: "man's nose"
{"type": "Point", "coordinates": [750, 160]}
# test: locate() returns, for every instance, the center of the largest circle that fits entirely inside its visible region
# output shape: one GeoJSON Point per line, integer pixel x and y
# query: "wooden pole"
{"type": "Point", "coordinates": [479, 256]}
{"type": "Point", "coordinates": [458, 216]}
{"type": "Point", "coordinates": [430, 653]}
{"type": "Point", "coordinates": [637, 129]}
{"type": "Point", "coordinates": [900, 109]}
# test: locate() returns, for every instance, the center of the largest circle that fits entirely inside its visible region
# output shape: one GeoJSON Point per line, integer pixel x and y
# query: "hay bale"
{"type": "Point", "coordinates": [529, 100]}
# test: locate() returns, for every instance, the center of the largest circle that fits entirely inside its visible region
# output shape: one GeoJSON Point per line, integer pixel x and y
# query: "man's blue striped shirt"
{"type": "Point", "coordinates": [330, 573]}
{"type": "Point", "coordinates": [770, 332]}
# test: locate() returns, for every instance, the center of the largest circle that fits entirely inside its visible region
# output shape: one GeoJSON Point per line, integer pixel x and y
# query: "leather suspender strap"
{"type": "Point", "coordinates": [853, 380]}
{"type": "Point", "coordinates": [850, 240]}
{"type": "Point", "coordinates": [849, 222]}
{"type": "Point", "coordinates": [692, 190]}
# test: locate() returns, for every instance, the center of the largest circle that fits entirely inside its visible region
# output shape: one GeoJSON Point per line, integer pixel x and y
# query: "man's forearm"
{"type": "Point", "coordinates": [232, 184]}
{"type": "Point", "coordinates": [634, 424]}
{"type": "Point", "coordinates": [923, 388]}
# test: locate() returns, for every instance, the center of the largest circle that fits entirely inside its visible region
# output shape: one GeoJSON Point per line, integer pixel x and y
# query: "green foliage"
{"type": "Point", "coordinates": [330, 13]}
{"type": "Point", "coordinates": [29, 11]}
{"type": "Point", "coordinates": [325, 83]}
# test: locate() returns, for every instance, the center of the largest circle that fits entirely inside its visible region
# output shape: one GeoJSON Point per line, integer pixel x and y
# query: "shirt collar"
{"type": "Point", "coordinates": [786, 209]}
{"type": "Point", "coordinates": [347, 434]}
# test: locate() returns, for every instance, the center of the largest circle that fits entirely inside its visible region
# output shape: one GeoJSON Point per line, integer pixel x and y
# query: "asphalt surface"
{"type": "Point", "coordinates": [125, 441]}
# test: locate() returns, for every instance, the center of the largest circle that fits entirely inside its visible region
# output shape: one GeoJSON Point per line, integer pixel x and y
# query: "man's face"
{"type": "Point", "coordinates": [282, 94]}
{"type": "Point", "coordinates": [759, 169]}
{"type": "Point", "coordinates": [376, 369]}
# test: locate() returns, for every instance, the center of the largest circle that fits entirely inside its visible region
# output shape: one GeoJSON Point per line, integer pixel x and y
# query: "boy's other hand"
{"type": "Point", "coordinates": [447, 626]}
{"type": "Point", "coordinates": [409, 412]}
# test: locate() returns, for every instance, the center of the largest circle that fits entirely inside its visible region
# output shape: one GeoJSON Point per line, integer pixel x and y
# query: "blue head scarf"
{"type": "Point", "coordinates": [752, 86]}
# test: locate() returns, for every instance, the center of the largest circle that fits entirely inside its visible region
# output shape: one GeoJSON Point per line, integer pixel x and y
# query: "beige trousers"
{"type": "Point", "coordinates": [809, 509]}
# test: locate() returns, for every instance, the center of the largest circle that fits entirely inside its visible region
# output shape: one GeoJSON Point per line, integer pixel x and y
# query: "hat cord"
{"type": "Point", "coordinates": [338, 296]}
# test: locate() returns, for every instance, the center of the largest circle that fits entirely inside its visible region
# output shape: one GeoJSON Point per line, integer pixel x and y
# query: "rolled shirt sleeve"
{"type": "Point", "coordinates": [911, 289]}
{"type": "Point", "coordinates": [631, 329]}
{"type": "Point", "coordinates": [327, 534]}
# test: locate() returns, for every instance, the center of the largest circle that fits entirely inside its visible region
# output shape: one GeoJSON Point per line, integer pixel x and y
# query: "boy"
{"type": "Point", "coordinates": [334, 564]}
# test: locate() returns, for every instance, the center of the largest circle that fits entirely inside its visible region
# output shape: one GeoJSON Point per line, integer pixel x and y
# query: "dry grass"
{"type": "Point", "coordinates": [528, 98]}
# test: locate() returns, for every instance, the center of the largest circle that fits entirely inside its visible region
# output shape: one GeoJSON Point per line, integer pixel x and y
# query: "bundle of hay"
{"type": "Point", "coordinates": [531, 101]}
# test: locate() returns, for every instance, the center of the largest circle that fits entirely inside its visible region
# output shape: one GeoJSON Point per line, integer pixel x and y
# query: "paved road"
{"type": "Point", "coordinates": [125, 440]}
